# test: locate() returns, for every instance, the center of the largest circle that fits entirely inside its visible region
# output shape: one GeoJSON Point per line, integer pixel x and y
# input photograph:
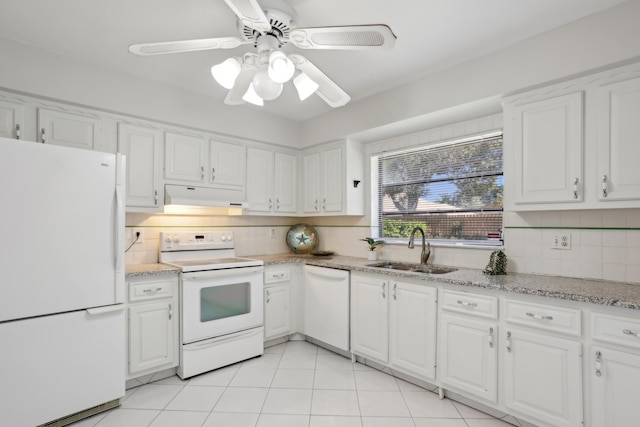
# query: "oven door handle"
{"type": "Point", "coordinates": [231, 337]}
{"type": "Point", "coordinates": [227, 272]}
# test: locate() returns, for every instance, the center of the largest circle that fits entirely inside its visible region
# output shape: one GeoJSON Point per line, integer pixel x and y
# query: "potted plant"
{"type": "Point", "coordinates": [373, 245]}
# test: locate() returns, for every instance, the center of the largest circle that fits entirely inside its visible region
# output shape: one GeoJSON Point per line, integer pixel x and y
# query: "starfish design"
{"type": "Point", "coordinates": [302, 238]}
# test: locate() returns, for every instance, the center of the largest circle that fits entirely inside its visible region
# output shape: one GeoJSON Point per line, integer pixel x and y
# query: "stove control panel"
{"type": "Point", "coordinates": [195, 240]}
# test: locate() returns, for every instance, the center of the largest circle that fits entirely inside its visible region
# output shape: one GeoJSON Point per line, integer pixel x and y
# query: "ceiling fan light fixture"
{"type": "Point", "coordinates": [264, 87]}
{"type": "Point", "coordinates": [305, 86]}
{"type": "Point", "coordinates": [226, 72]}
{"type": "Point", "coordinates": [281, 69]}
{"type": "Point", "coordinates": [252, 97]}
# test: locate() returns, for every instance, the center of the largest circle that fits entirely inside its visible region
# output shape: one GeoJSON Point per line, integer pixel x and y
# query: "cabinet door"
{"type": "Point", "coordinates": [151, 336]}
{"type": "Point", "coordinates": [412, 329]}
{"type": "Point", "coordinates": [618, 149]}
{"type": "Point", "coordinates": [543, 377]}
{"type": "Point", "coordinates": [332, 178]}
{"type": "Point", "coordinates": [143, 149]}
{"type": "Point", "coordinates": [468, 356]}
{"type": "Point", "coordinates": [69, 129]}
{"type": "Point", "coordinates": [259, 180]}
{"type": "Point", "coordinates": [370, 317]}
{"type": "Point", "coordinates": [547, 138]}
{"type": "Point", "coordinates": [11, 120]}
{"type": "Point", "coordinates": [227, 164]}
{"type": "Point", "coordinates": [311, 175]}
{"type": "Point", "coordinates": [285, 179]}
{"type": "Point", "coordinates": [277, 316]}
{"type": "Point", "coordinates": [615, 376]}
{"type": "Point", "coordinates": [184, 158]}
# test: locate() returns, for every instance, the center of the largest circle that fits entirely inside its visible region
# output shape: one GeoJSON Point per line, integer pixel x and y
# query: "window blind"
{"type": "Point", "coordinates": [455, 189]}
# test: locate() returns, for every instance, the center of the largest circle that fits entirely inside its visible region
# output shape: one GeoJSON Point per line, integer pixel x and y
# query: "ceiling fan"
{"type": "Point", "coordinates": [259, 77]}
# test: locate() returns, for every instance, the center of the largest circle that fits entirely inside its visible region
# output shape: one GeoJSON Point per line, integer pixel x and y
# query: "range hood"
{"type": "Point", "coordinates": [183, 199]}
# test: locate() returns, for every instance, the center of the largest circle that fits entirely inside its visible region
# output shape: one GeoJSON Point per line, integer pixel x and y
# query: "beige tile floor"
{"type": "Point", "coordinates": [295, 384]}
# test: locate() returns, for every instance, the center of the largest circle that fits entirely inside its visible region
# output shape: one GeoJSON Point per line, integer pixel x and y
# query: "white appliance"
{"type": "Point", "coordinates": [221, 313]}
{"type": "Point", "coordinates": [62, 290]}
{"type": "Point", "coordinates": [326, 305]}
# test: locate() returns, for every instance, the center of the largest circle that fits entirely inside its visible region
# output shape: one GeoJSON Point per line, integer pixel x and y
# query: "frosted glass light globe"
{"type": "Point", "coordinates": [266, 88]}
{"type": "Point", "coordinates": [281, 68]}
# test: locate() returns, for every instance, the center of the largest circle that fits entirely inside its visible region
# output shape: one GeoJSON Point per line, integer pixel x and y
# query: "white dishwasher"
{"type": "Point", "coordinates": [326, 305]}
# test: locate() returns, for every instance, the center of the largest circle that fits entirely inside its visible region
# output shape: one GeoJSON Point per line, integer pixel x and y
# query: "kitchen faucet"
{"type": "Point", "coordinates": [426, 249]}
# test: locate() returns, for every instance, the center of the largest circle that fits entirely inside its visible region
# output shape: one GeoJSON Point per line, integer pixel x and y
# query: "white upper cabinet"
{"type": "Point", "coordinates": [11, 120]}
{"type": "Point", "coordinates": [548, 144]}
{"type": "Point", "coordinates": [71, 129]}
{"type": "Point", "coordinates": [142, 147]}
{"type": "Point", "coordinates": [227, 164]}
{"type": "Point", "coordinates": [185, 157]}
{"type": "Point", "coordinates": [618, 140]}
{"type": "Point", "coordinates": [271, 181]}
{"type": "Point", "coordinates": [332, 175]}
{"type": "Point", "coordinates": [573, 145]}
{"type": "Point", "coordinates": [284, 181]}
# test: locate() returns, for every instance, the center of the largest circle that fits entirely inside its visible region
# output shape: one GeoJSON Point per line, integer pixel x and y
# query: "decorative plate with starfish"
{"type": "Point", "coordinates": [301, 238]}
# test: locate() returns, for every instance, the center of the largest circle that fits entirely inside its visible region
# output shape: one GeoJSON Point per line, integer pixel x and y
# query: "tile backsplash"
{"type": "Point", "coordinates": [604, 244]}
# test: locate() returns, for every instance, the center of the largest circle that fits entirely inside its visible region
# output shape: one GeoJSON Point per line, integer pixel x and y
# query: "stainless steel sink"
{"type": "Point", "coordinates": [415, 268]}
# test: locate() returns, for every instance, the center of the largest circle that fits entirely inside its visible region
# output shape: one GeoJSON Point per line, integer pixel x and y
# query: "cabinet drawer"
{"type": "Point", "coordinates": [550, 318]}
{"type": "Point", "coordinates": [474, 304]}
{"type": "Point", "coordinates": [616, 329]}
{"type": "Point", "coordinates": [277, 275]}
{"type": "Point", "coordinates": [150, 290]}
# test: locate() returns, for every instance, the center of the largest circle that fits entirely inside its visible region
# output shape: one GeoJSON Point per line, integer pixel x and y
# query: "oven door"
{"type": "Point", "coordinates": [220, 302]}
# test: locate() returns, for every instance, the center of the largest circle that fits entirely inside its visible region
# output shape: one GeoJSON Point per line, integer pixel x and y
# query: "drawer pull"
{"type": "Point", "coordinates": [467, 304]}
{"type": "Point", "coordinates": [146, 291]}
{"type": "Point", "coordinates": [539, 316]}
{"type": "Point", "coordinates": [628, 332]}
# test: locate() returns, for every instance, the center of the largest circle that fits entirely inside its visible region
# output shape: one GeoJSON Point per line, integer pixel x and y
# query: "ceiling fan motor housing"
{"type": "Point", "coordinates": [281, 17]}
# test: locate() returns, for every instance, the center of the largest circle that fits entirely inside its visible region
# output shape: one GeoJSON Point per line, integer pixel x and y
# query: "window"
{"type": "Point", "coordinates": [453, 190]}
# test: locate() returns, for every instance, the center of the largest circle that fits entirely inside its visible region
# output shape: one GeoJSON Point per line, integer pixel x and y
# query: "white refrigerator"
{"type": "Point", "coordinates": [62, 320]}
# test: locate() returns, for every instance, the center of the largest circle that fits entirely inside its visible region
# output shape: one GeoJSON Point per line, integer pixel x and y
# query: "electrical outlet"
{"type": "Point", "coordinates": [135, 232]}
{"type": "Point", "coordinates": [272, 232]}
{"type": "Point", "coordinates": [562, 241]}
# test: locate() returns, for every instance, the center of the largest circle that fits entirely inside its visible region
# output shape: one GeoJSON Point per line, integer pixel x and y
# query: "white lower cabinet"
{"type": "Point", "coordinates": [412, 329]}
{"type": "Point", "coordinates": [394, 323]}
{"type": "Point", "coordinates": [277, 302]}
{"type": "Point", "coordinates": [615, 376]}
{"type": "Point", "coordinates": [613, 370]}
{"type": "Point", "coordinates": [370, 316]}
{"type": "Point", "coordinates": [542, 365]}
{"type": "Point", "coordinates": [468, 344]}
{"type": "Point", "coordinates": [153, 325]}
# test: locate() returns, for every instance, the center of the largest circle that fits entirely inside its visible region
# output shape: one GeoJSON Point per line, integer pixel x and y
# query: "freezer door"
{"type": "Point", "coordinates": [54, 366]}
{"type": "Point", "coordinates": [59, 228]}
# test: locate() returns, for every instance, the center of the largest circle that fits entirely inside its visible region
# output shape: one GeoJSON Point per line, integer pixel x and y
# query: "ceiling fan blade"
{"type": "Point", "coordinates": [241, 85]}
{"type": "Point", "coordinates": [146, 49]}
{"type": "Point", "coordinates": [348, 37]}
{"type": "Point", "coordinates": [250, 13]}
{"type": "Point", "coordinates": [328, 90]}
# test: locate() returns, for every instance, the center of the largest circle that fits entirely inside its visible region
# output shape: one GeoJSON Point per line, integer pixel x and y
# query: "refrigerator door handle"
{"type": "Point", "coordinates": [119, 217]}
{"type": "Point", "coordinates": [96, 311]}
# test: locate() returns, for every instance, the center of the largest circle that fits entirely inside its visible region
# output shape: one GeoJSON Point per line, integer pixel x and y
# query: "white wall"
{"type": "Point", "coordinates": [595, 41]}
{"type": "Point", "coordinates": [38, 72]}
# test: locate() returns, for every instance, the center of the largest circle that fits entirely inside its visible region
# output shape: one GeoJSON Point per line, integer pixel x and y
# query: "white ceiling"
{"type": "Point", "coordinates": [432, 35]}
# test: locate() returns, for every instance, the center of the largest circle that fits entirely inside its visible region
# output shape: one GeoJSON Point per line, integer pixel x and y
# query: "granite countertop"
{"type": "Point", "coordinates": [615, 294]}
{"type": "Point", "coordinates": [146, 270]}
